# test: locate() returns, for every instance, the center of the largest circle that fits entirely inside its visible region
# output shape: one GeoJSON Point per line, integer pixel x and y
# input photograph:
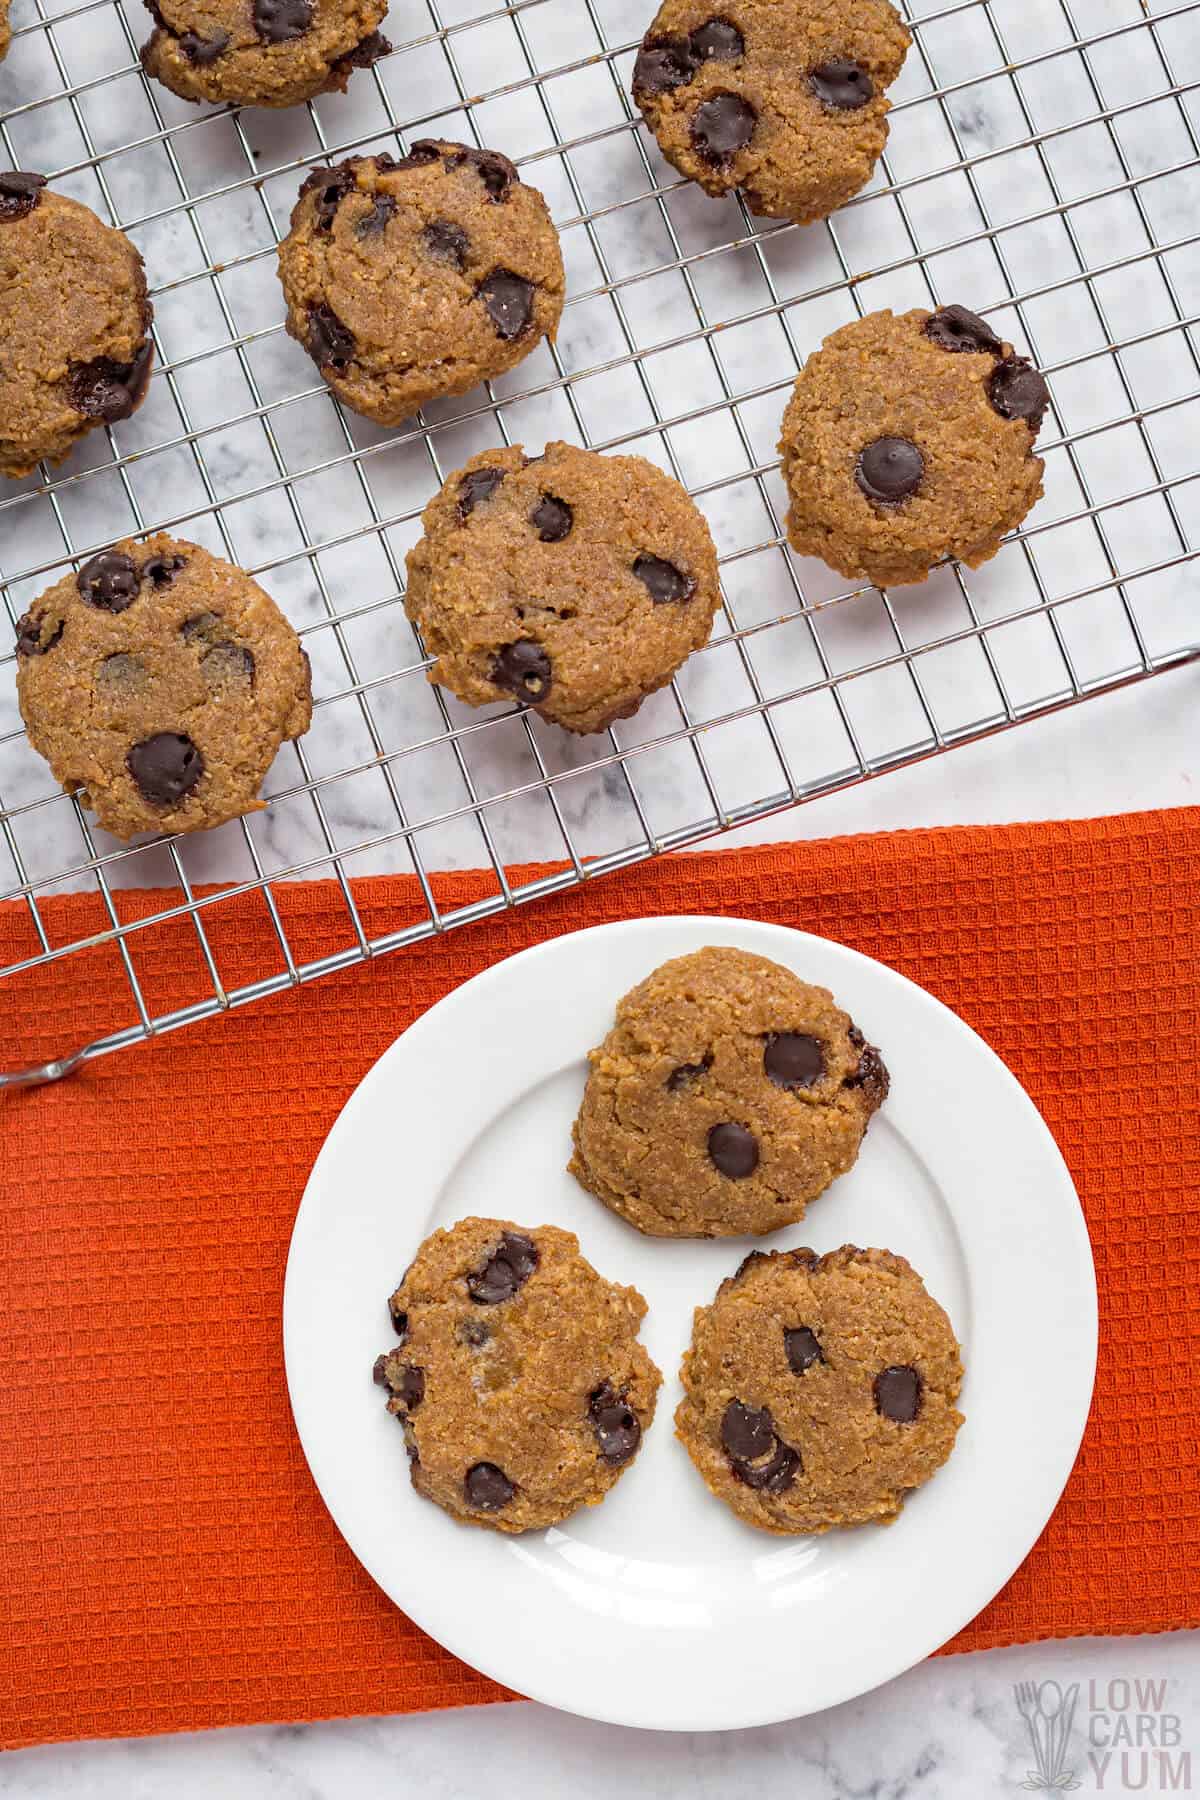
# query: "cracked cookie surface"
{"type": "Point", "coordinates": [261, 52]}
{"type": "Point", "coordinates": [412, 279]}
{"type": "Point", "coordinates": [574, 582]}
{"type": "Point", "coordinates": [158, 683]}
{"type": "Point", "coordinates": [728, 1094]}
{"type": "Point", "coordinates": [518, 1379]}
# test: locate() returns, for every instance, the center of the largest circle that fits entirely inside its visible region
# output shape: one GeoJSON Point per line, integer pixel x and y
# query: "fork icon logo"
{"type": "Point", "coordinates": [1048, 1713]}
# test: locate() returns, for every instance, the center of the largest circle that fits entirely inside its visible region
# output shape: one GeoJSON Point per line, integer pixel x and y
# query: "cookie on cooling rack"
{"type": "Point", "coordinates": [519, 1381]}
{"type": "Point", "coordinates": [409, 280]}
{"type": "Point", "coordinates": [265, 53]}
{"type": "Point", "coordinates": [819, 1390]}
{"type": "Point", "coordinates": [74, 323]}
{"type": "Point", "coordinates": [573, 582]}
{"type": "Point", "coordinates": [158, 683]}
{"type": "Point", "coordinates": [728, 1094]}
{"type": "Point", "coordinates": [783, 99]}
{"type": "Point", "coordinates": [910, 438]}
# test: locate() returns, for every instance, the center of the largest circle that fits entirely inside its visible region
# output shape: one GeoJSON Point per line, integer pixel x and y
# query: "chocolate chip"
{"type": "Point", "coordinates": [487, 1488]}
{"type": "Point", "coordinates": [477, 487]}
{"type": "Point", "coordinates": [331, 187]}
{"type": "Point", "coordinates": [506, 1270]}
{"type": "Point", "coordinates": [446, 242]}
{"type": "Point", "coordinates": [373, 222]}
{"type": "Point", "coordinates": [200, 627]}
{"type": "Point", "coordinates": [120, 670]}
{"type": "Point", "coordinates": [747, 1432]}
{"type": "Point", "coordinates": [841, 85]}
{"type": "Point", "coordinates": [525, 670]}
{"type": "Point", "coordinates": [363, 55]}
{"type": "Point", "coordinates": [663, 64]}
{"type": "Point", "coordinates": [801, 1348]}
{"type": "Point", "coordinates": [1018, 391]}
{"type": "Point", "coordinates": [330, 344]}
{"type": "Point", "coordinates": [422, 152]}
{"type": "Point", "coordinates": [278, 20]}
{"type": "Point", "coordinates": [495, 171]}
{"type": "Point", "coordinates": [474, 1332]}
{"type": "Point", "coordinates": [378, 1368]}
{"type": "Point", "coordinates": [508, 299]}
{"type": "Point", "coordinates": [108, 390]}
{"type": "Point", "coordinates": [775, 1476]}
{"type": "Point", "coordinates": [110, 581]}
{"type": "Point", "coordinates": [29, 635]}
{"type": "Point", "coordinates": [665, 582]}
{"type": "Point", "coordinates": [617, 1427]}
{"type": "Point", "coordinates": [685, 1074]}
{"type": "Point", "coordinates": [411, 1386]}
{"type": "Point", "coordinates": [717, 41]}
{"type": "Point", "coordinates": [228, 665]}
{"type": "Point", "coordinates": [722, 127]}
{"type": "Point", "coordinates": [734, 1150]}
{"type": "Point", "coordinates": [165, 767]}
{"type": "Point", "coordinates": [793, 1059]}
{"type": "Point", "coordinates": [871, 1075]}
{"type": "Point", "coordinates": [552, 519]}
{"type": "Point", "coordinates": [399, 1319]}
{"type": "Point", "coordinates": [161, 571]}
{"type": "Point", "coordinates": [954, 328]}
{"type": "Point", "coordinates": [898, 1394]}
{"type": "Point", "coordinates": [200, 50]}
{"type": "Point", "coordinates": [19, 193]}
{"type": "Point", "coordinates": [889, 471]}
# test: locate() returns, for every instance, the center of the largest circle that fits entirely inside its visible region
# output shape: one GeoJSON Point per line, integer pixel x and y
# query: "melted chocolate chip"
{"type": "Point", "coordinates": [29, 636]}
{"type": "Point", "coordinates": [617, 1427]}
{"type": "Point", "coordinates": [475, 488]}
{"type": "Point", "coordinates": [330, 344]}
{"type": "Point", "coordinates": [685, 1074]}
{"type": "Point", "coordinates": [889, 471]}
{"type": "Point", "coordinates": [200, 628]}
{"type": "Point", "coordinates": [110, 581]}
{"type": "Point", "coordinates": [664, 581]}
{"type": "Point", "coordinates": [793, 1059]}
{"type": "Point", "coordinates": [898, 1394]}
{"type": "Point", "coordinates": [747, 1432]}
{"type": "Point", "coordinates": [19, 193]}
{"type": "Point", "coordinates": [954, 328]}
{"type": "Point", "coordinates": [801, 1348]}
{"type": "Point", "coordinates": [508, 300]}
{"type": "Point", "coordinates": [552, 519]}
{"type": "Point", "coordinates": [525, 670]}
{"type": "Point", "coordinates": [121, 670]}
{"type": "Point", "coordinates": [722, 127]}
{"type": "Point", "coordinates": [446, 242]}
{"type": "Point", "coordinates": [871, 1075]}
{"type": "Point", "coordinates": [331, 187]}
{"type": "Point", "coordinates": [506, 1270]}
{"type": "Point", "coordinates": [411, 1386]}
{"type": "Point", "coordinates": [422, 152]}
{"type": "Point", "coordinates": [399, 1319]}
{"type": "Point", "coordinates": [161, 571]}
{"type": "Point", "coordinates": [276, 21]}
{"type": "Point", "coordinates": [775, 1476]}
{"type": "Point", "coordinates": [733, 1150]}
{"type": "Point", "coordinates": [663, 64]}
{"type": "Point", "coordinates": [109, 390]}
{"type": "Point", "coordinates": [375, 220]}
{"type": "Point", "coordinates": [378, 1375]}
{"type": "Point", "coordinates": [200, 50]}
{"type": "Point", "coordinates": [228, 665]}
{"type": "Point", "coordinates": [165, 767]}
{"type": "Point", "coordinates": [487, 1488]}
{"type": "Point", "coordinates": [497, 174]}
{"type": "Point", "coordinates": [363, 55]}
{"type": "Point", "coordinates": [1018, 391]}
{"type": "Point", "coordinates": [841, 85]}
{"type": "Point", "coordinates": [717, 41]}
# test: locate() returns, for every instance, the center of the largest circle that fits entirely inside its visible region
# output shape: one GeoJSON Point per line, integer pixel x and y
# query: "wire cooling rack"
{"type": "Point", "coordinates": [1042, 167]}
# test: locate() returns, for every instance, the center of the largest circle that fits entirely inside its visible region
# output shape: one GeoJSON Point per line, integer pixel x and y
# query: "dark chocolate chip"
{"type": "Point", "coordinates": [508, 299]}
{"type": "Point", "coordinates": [377, 1372]}
{"type": "Point", "coordinates": [871, 1075]}
{"type": "Point", "coordinates": [898, 1394]}
{"type": "Point", "coordinates": [373, 222]}
{"type": "Point", "coordinates": [411, 1386]}
{"type": "Point", "coordinates": [717, 41]}
{"type": "Point", "coordinates": [161, 571]}
{"type": "Point", "coordinates": [363, 55]}
{"type": "Point", "coordinates": [487, 1488]}
{"type": "Point", "coordinates": [856, 1037]}
{"type": "Point", "coordinates": [793, 1059]}
{"type": "Point", "coordinates": [889, 471]}
{"type": "Point", "coordinates": [954, 328]}
{"type": "Point", "coordinates": [841, 85]}
{"type": "Point", "coordinates": [747, 1432]}
{"type": "Point", "coordinates": [474, 1332]}
{"type": "Point", "coordinates": [446, 242]}
{"type": "Point", "coordinates": [165, 767]}
{"type": "Point", "coordinates": [1018, 391]}
{"type": "Point", "coordinates": [276, 21]}
{"type": "Point", "coordinates": [477, 487]}
{"type": "Point", "coordinates": [331, 187]}
{"type": "Point", "coordinates": [617, 1427]}
{"type": "Point", "coordinates": [686, 1073]}
{"type": "Point", "coordinates": [109, 390]}
{"type": "Point", "coordinates": [200, 50]}
{"type": "Point", "coordinates": [525, 670]}
{"type": "Point", "coordinates": [775, 1476]}
{"type": "Point", "coordinates": [734, 1150]}
{"type": "Point", "coordinates": [228, 665]}
{"type": "Point", "coordinates": [664, 581]}
{"type": "Point", "coordinates": [19, 193]}
{"type": "Point", "coordinates": [29, 635]}
{"type": "Point", "coordinates": [552, 519]}
{"type": "Point", "coordinates": [508, 1268]}
{"type": "Point", "coordinates": [663, 64]}
{"type": "Point", "coordinates": [801, 1348]}
{"type": "Point", "coordinates": [110, 581]}
{"type": "Point", "coordinates": [120, 670]}
{"type": "Point", "coordinates": [330, 344]}
{"type": "Point", "coordinates": [722, 127]}
{"type": "Point", "coordinates": [422, 152]}
{"type": "Point", "coordinates": [199, 629]}
{"type": "Point", "coordinates": [495, 171]}
{"type": "Point", "coordinates": [399, 1319]}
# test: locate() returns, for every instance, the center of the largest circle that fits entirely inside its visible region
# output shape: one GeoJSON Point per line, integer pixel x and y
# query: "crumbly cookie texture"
{"type": "Point", "coordinates": [728, 1094]}
{"type": "Point", "coordinates": [74, 323]}
{"type": "Point", "coordinates": [518, 1378]}
{"type": "Point", "coordinates": [783, 99]}
{"type": "Point", "coordinates": [576, 583]}
{"type": "Point", "coordinates": [261, 52]}
{"type": "Point", "coordinates": [409, 280]}
{"type": "Point", "coordinates": [910, 438]}
{"type": "Point", "coordinates": [158, 683]}
{"type": "Point", "coordinates": [819, 1390]}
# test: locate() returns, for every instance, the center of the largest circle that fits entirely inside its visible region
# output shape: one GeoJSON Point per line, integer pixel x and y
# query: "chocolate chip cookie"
{"type": "Point", "coordinates": [261, 52]}
{"type": "Point", "coordinates": [158, 683]}
{"type": "Point", "coordinates": [573, 582]}
{"type": "Point", "coordinates": [781, 98]}
{"type": "Point", "coordinates": [74, 323]}
{"type": "Point", "coordinates": [413, 279]}
{"type": "Point", "coordinates": [518, 1379]}
{"type": "Point", "coordinates": [819, 1390]}
{"type": "Point", "coordinates": [728, 1094]}
{"type": "Point", "coordinates": [908, 439]}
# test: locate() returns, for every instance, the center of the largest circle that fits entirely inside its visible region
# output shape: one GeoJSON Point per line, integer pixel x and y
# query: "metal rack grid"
{"type": "Point", "coordinates": [1042, 167]}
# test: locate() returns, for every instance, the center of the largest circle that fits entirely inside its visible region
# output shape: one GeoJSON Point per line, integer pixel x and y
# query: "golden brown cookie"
{"type": "Point", "coordinates": [74, 324]}
{"type": "Point", "coordinates": [908, 439]}
{"type": "Point", "coordinates": [409, 280]}
{"type": "Point", "coordinates": [158, 683]}
{"type": "Point", "coordinates": [576, 583]}
{"type": "Point", "coordinates": [819, 1390]}
{"type": "Point", "coordinates": [781, 98]}
{"type": "Point", "coordinates": [519, 1380]}
{"type": "Point", "coordinates": [728, 1094]}
{"type": "Point", "coordinates": [261, 52]}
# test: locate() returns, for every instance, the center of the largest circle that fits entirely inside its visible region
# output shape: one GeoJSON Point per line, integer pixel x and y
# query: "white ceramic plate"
{"type": "Point", "coordinates": [658, 1608]}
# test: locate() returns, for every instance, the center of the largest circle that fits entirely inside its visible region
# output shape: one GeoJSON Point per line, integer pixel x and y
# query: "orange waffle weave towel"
{"type": "Point", "coordinates": [165, 1561]}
